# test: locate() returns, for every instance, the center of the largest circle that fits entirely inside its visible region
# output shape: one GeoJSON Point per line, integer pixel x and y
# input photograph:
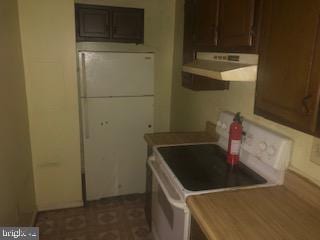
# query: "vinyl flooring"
{"type": "Point", "coordinates": [117, 218]}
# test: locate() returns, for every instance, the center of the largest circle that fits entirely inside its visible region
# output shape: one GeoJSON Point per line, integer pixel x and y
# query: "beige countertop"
{"type": "Point", "coordinates": [208, 135]}
{"type": "Point", "coordinates": [291, 211]}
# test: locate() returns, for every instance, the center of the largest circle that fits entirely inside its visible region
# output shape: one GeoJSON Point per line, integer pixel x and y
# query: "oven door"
{"type": "Point", "coordinates": [170, 214]}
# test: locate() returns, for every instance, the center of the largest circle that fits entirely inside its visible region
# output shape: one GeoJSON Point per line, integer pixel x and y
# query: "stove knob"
{"type": "Point", "coordinates": [249, 139]}
{"type": "Point", "coordinates": [262, 146]}
{"type": "Point", "coordinates": [224, 126]}
{"type": "Point", "coordinates": [271, 151]}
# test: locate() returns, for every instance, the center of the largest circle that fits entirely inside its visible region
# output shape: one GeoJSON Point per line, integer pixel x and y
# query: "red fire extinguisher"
{"type": "Point", "coordinates": [235, 135]}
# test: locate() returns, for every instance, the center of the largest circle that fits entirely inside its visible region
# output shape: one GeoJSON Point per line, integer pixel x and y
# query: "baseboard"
{"type": "Point", "coordinates": [48, 207]}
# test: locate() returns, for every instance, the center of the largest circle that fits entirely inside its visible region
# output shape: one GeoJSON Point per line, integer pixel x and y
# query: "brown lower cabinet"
{"type": "Point", "coordinates": [196, 232]}
{"type": "Point", "coordinates": [288, 82]}
{"type": "Point", "coordinates": [148, 194]}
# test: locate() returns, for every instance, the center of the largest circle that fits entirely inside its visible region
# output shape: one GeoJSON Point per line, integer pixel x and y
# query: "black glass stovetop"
{"type": "Point", "coordinates": [204, 167]}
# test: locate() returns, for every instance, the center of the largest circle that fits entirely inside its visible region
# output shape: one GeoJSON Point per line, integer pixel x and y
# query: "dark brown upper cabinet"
{"type": "Point", "coordinates": [188, 41]}
{"type": "Point", "coordinates": [238, 21]}
{"type": "Point", "coordinates": [227, 25]}
{"type": "Point", "coordinates": [127, 25]}
{"type": "Point", "coordinates": [93, 23]}
{"type": "Point", "coordinates": [191, 81]}
{"type": "Point", "coordinates": [109, 24]}
{"type": "Point", "coordinates": [288, 82]}
{"type": "Point", "coordinates": [206, 23]}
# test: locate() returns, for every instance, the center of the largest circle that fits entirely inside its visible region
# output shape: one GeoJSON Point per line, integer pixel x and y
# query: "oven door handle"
{"type": "Point", "coordinates": [176, 203]}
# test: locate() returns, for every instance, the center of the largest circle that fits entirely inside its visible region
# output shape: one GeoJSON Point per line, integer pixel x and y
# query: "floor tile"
{"type": "Point", "coordinates": [115, 218]}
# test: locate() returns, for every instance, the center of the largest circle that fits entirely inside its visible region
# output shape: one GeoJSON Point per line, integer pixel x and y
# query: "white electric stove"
{"type": "Point", "coordinates": [189, 169]}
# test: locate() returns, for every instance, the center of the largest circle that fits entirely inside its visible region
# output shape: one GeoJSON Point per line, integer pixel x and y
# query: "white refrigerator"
{"type": "Point", "coordinates": [117, 95]}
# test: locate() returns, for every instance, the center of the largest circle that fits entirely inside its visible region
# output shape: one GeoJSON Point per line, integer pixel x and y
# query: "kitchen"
{"type": "Point", "coordinates": [48, 109]}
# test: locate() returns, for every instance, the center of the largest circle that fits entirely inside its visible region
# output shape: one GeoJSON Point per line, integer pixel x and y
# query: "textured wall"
{"type": "Point", "coordinates": [191, 109]}
{"type": "Point", "coordinates": [16, 178]}
{"type": "Point", "coordinates": [48, 44]}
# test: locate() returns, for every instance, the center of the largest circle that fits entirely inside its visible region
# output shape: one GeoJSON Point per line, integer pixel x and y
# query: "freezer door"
{"type": "Point", "coordinates": [114, 149]}
{"type": "Point", "coordinates": [116, 74]}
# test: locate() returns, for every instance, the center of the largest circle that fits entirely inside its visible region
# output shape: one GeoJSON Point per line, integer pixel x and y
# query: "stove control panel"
{"type": "Point", "coordinates": [259, 144]}
{"type": "Point", "coordinates": [266, 145]}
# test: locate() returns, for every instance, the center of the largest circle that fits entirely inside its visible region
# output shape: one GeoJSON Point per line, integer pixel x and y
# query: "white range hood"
{"type": "Point", "coordinates": [224, 66]}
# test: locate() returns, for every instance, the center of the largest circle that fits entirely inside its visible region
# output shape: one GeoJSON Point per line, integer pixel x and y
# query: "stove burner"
{"type": "Point", "coordinates": [204, 167]}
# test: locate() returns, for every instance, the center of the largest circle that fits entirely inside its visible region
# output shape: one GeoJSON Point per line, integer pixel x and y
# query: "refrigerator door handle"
{"type": "Point", "coordinates": [83, 78]}
{"type": "Point", "coordinates": [86, 119]}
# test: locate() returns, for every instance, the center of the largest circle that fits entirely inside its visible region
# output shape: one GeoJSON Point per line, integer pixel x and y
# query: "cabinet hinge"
{"type": "Point", "coordinates": [252, 34]}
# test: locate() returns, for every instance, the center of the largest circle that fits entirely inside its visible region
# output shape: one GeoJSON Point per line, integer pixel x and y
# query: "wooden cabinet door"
{"type": "Point", "coordinates": [190, 81]}
{"type": "Point", "coordinates": [188, 38]}
{"type": "Point", "coordinates": [289, 73]}
{"type": "Point", "coordinates": [127, 25]}
{"type": "Point", "coordinates": [93, 23]}
{"type": "Point", "coordinates": [206, 24]}
{"type": "Point", "coordinates": [238, 23]}
{"type": "Point", "coordinates": [148, 193]}
{"type": "Point", "coordinates": [196, 232]}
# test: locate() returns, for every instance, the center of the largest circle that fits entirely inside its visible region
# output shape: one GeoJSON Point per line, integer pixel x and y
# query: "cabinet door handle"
{"type": "Point", "coordinates": [215, 35]}
{"type": "Point", "coordinates": [252, 34]}
{"type": "Point", "coordinates": [305, 104]}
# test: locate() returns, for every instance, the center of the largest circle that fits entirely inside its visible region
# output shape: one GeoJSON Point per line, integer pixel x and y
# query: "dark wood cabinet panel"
{"type": "Point", "coordinates": [200, 83]}
{"type": "Point", "coordinates": [238, 24]}
{"type": "Point", "coordinates": [196, 232]}
{"type": "Point", "coordinates": [128, 25]}
{"type": "Point", "coordinates": [109, 24]}
{"type": "Point", "coordinates": [289, 74]}
{"type": "Point", "coordinates": [92, 23]}
{"type": "Point", "coordinates": [206, 24]}
{"type": "Point", "coordinates": [188, 38]}
{"type": "Point", "coordinates": [190, 81]}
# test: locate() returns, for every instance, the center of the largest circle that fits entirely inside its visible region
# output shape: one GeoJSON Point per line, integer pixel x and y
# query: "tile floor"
{"type": "Point", "coordinates": [117, 218]}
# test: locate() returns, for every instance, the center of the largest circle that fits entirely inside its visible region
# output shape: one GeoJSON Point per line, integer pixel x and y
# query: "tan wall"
{"type": "Point", "coordinates": [16, 177]}
{"type": "Point", "coordinates": [191, 109]}
{"type": "Point", "coordinates": [159, 35]}
{"type": "Point", "coordinates": [48, 44]}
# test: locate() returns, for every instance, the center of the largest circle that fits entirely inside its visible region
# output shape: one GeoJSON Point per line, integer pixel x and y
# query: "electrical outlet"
{"type": "Point", "coordinates": [315, 151]}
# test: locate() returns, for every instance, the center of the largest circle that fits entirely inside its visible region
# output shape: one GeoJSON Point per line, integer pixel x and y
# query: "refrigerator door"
{"type": "Point", "coordinates": [114, 149]}
{"type": "Point", "coordinates": [104, 74]}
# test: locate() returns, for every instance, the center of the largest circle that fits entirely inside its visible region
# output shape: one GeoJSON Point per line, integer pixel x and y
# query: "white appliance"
{"type": "Point", "coordinates": [265, 152]}
{"type": "Point", "coordinates": [224, 66]}
{"type": "Point", "coordinates": [116, 91]}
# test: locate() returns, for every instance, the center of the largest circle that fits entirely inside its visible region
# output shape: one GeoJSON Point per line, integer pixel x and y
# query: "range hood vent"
{"type": "Point", "coordinates": [224, 66]}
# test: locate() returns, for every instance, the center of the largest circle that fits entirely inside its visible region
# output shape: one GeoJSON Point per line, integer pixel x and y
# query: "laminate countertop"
{"type": "Point", "coordinates": [287, 212]}
{"type": "Point", "coordinates": [167, 138]}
